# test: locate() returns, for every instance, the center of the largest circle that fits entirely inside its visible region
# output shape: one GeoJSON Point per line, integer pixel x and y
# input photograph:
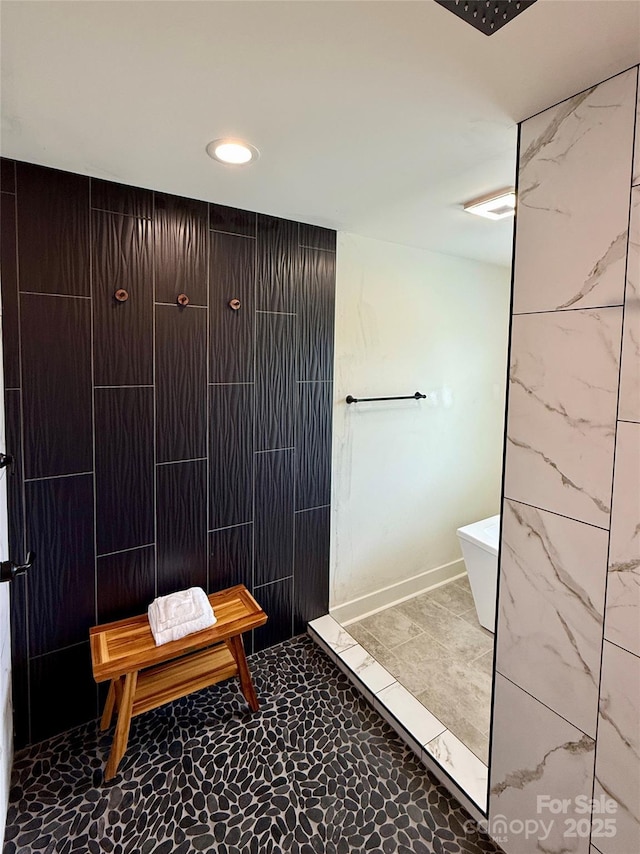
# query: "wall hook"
{"type": "Point", "coordinates": [9, 569]}
{"type": "Point", "coordinates": [235, 304]}
{"type": "Point", "coordinates": [121, 295]}
{"type": "Point", "coordinates": [182, 299]}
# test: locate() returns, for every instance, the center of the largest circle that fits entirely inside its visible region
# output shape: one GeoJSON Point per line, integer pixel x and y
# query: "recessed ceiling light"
{"type": "Point", "coordinates": [233, 152]}
{"type": "Point", "coordinates": [497, 205]}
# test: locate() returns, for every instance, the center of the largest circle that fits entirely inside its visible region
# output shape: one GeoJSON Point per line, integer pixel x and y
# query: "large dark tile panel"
{"type": "Point", "coordinates": [273, 522]}
{"type": "Point", "coordinates": [121, 199]}
{"type": "Point", "coordinates": [181, 249]}
{"type": "Point", "coordinates": [232, 262]}
{"type": "Point", "coordinates": [15, 507]}
{"type": "Point", "coordinates": [126, 583]}
{"type": "Point", "coordinates": [316, 298]}
{"type": "Point", "coordinates": [316, 237]}
{"type": "Point", "coordinates": [8, 262]}
{"type": "Point", "coordinates": [181, 382]}
{"type": "Point", "coordinates": [313, 444]}
{"type": "Point", "coordinates": [276, 600]}
{"type": "Point", "coordinates": [230, 455]}
{"type": "Point", "coordinates": [20, 661]}
{"type": "Point", "coordinates": [56, 367]}
{"type": "Point", "coordinates": [182, 526]}
{"type": "Point", "coordinates": [275, 381]}
{"type": "Point", "coordinates": [278, 264]}
{"type": "Point", "coordinates": [53, 230]}
{"type": "Point", "coordinates": [231, 557]}
{"type": "Point", "coordinates": [7, 175]}
{"type": "Point", "coordinates": [124, 468]}
{"type": "Point", "coordinates": [63, 693]}
{"type": "Point", "coordinates": [232, 220]}
{"type": "Point", "coordinates": [62, 582]}
{"type": "Point", "coordinates": [122, 331]}
{"type": "Point", "coordinates": [311, 566]}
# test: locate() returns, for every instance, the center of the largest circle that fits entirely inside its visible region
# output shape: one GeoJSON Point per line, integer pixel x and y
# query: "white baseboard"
{"type": "Point", "coordinates": [393, 594]}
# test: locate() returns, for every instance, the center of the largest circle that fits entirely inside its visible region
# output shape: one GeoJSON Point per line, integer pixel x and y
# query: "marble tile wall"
{"type": "Point", "coordinates": [567, 693]}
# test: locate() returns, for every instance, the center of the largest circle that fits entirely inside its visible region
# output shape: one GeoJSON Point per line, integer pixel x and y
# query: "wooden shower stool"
{"type": "Point", "coordinates": [144, 676]}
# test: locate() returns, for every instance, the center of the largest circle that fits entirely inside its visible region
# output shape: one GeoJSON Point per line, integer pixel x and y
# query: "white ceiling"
{"type": "Point", "coordinates": [379, 118]}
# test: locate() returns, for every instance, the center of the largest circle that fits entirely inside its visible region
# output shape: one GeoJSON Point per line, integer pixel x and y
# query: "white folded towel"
{"type": "Point", "coordinates": [179, 614]}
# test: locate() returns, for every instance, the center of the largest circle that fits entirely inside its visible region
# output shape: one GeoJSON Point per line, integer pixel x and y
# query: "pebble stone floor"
{"type": "Point", "coordinates": [316, 771]}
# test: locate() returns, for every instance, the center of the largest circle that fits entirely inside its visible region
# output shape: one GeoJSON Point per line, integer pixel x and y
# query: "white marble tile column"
{"type": "Point", "coordinates": [568, 635]}
{"type": "Point", "coordinates": [552, 610]}
{"type": "Point", "coordinates": [618, 750]}
{"type": "Point", "coordinates": [630, 370]}
{"type": "Point", "coordinates": [563, 394]}
{"type": "Point", "coordinates": [622, 623]}
{"type": "Point", "coordinates": [539, 758]}
{"type": "Point", "coordinates": [573, 197]}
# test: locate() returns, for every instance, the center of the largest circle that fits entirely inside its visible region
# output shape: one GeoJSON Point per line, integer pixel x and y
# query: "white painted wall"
{"type": "Point", "coordinates": [6, 713]}
{"type": "Point", "coordinates": [407, 474]}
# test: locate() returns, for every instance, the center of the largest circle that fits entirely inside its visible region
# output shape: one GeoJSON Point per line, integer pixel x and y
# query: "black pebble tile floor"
{"type": "Point", "coordinates": [315, 771]}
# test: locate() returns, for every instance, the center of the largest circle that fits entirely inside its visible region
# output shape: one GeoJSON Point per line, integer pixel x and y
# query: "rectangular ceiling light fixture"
{"type": "Point", "coordinates": [495, 206]}
{"type": "Point", "coordinates": [488, 16]}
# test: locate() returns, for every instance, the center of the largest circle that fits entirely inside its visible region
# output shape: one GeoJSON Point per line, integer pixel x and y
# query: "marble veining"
{"type": "Point", "coordinates": [573, 194]}
{"type": "Point", "coordinates": [560, 418]}
{"type": "Point", "coordinates": [618, 749]}
{"type": "Point", "coordinates": [457, 760]}
{"type": "Point", "coordinates": [552, 589]}
{"type": "Point", "coordinates": [630, 368]}
{"type": "Point", "coordinates": [536, 752]}
{"type": "Point", "coordinates": [366, 668]}
{"type": "Point", "coordinates": [622, 621]}
{"type": "Point", "coordinates": [413, 716]}
{"type": "Point", "coordinates": [332, 633]}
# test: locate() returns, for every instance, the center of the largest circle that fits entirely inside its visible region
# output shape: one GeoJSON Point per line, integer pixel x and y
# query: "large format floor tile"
{"type": "Point", "coordinates": [445, 659]}
{"type": "Point", "coordinates": [315, 770]}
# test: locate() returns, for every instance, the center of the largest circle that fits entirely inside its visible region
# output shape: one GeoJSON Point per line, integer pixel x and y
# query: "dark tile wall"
{"type": "Point", "coordinates": [156, 446]}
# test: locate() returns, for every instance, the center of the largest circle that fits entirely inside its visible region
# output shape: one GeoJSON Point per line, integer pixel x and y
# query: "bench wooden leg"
{"type": "Point", "coordinates": [113, 701]}
{"type": "Point", "coordinates": [121, 736]}
{"type": "Point", "coordinates": [237, 650]}
{"type": "Point", "coordinates": [105, 720]}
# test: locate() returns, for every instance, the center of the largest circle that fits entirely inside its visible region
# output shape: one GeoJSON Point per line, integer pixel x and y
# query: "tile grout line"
{"type": "Point", "coordinates": [228, 527]}
{"type": "Point", "coordinates": [274, 581]}
{"type": "Point", "coordinates": [207, 395]}
{"type": "Point", "coordinates": [58, 476]}
{"type": "Point", "coordinates": [542, 703]}
{"type": "Point", "coordinates": [554, 513]}
{"type": "Point", "coordinates": [63, 296]}
{"type": "Point", "coordinates": [93, 424]}
{"type": "Point", "coordinates": [154, 376]}
{"type": "Point", "coordinates": [622, 648]}
{"type": "Point", "coordinates": [253, 419]}
{"type": "Point", "coordinates": [25, 526]}
{"type": "Point", "coordinates": [294, 432]}
{"type": "Point", "coordinates": [614, 458]}
{"type": "Point", "coordinates": [177, 462]}
{"type": "Point", "coordinates": [123, 551]}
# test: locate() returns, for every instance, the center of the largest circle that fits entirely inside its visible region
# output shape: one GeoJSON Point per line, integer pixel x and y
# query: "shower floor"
{"type": "Point", "coordinates": [434, 645]}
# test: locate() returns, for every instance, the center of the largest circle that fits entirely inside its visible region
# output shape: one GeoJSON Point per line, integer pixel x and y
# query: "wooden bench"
{"type": "Point", "coordinates": [144, 676]}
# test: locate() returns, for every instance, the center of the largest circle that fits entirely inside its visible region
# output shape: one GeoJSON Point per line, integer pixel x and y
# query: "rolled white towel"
{"type": "Point", "coordinates": [179, 614]}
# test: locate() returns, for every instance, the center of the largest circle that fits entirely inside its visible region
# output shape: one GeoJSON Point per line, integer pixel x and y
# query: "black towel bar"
{"type": "Point", "coordinates": [351, 399]}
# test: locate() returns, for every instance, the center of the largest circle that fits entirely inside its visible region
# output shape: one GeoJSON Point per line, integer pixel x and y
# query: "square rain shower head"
{"type": "Point", "coordinates": [488, 16]}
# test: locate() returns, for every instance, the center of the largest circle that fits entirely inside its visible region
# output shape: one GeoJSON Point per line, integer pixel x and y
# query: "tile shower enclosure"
{"type": "Point", "coordinates": [157, 446]}
{"type": "Point", "coordinates": [567, 690]}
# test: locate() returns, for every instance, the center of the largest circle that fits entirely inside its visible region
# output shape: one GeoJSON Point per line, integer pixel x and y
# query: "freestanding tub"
{"type": "Point", "coordinates": [479, 543]}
